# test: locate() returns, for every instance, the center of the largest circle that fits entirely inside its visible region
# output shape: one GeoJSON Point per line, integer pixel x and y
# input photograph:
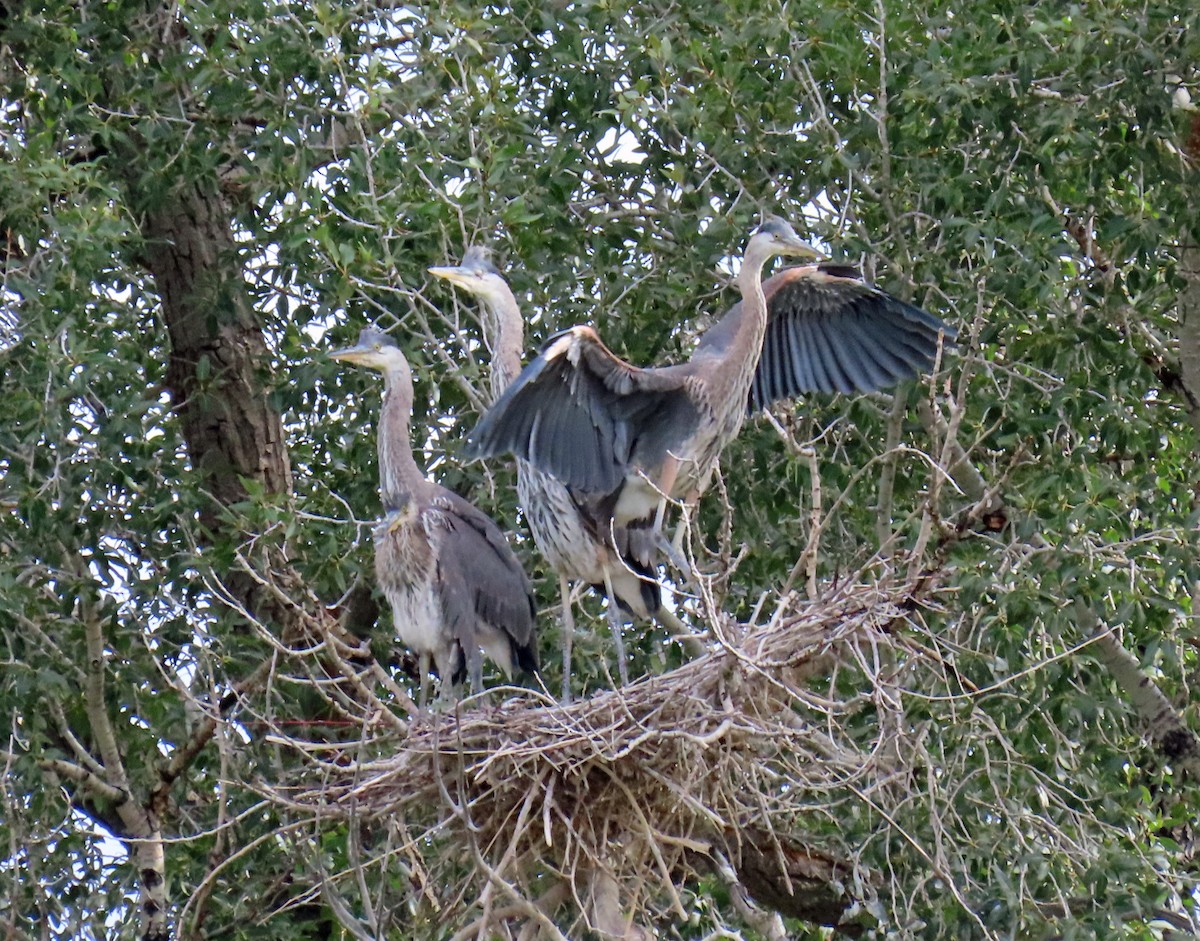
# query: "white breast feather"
{"type": "Point", "coordinates": [418, 618]}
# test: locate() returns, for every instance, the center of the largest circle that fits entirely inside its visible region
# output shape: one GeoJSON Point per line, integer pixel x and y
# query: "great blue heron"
{"type": "Point", "coordinates": [630, 438]}
{"type": "Point", "coordinates": [453, 582]}
{"type": "Point", "coordinates": [578, 546]}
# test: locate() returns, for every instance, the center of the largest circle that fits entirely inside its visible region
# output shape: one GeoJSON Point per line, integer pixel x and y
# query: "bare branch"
{"type": "Point", "coordinates": [97, 707]}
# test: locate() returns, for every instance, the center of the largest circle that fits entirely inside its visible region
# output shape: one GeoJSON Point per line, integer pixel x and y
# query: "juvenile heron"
{"type": "Point", "coordinates": [453, 583]}
{"type": "Point", "coordinates": [577, 544]}
{"type": "Point", "coordinates": [625, 439]}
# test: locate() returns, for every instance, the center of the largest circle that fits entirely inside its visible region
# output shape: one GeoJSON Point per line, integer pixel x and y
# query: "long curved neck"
{"type": "Point", "coordinates": [399, 476]}
{"type": "Point", "coordinates": [742, 354]}
{"type": "Point", "coordinates": [507, 339]}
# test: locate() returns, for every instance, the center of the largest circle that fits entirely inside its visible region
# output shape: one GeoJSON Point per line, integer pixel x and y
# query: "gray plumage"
{"type": "Point", "coordinates": [828, 330]}
{"type": "Point", "coordinates": [578, 545]}
{"type": "Point", "coordinates": [453, 583]}
{"type": "Point", "coordinates": [628, 438]}
{"type": "Point", "coordinates": [625, 437]}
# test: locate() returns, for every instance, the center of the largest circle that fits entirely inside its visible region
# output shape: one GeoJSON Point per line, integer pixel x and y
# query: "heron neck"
{"type": "Point", "coordinates": [399, 476]}
{"type": "Point", "coordinates": [746, 348]}
{"type": "Point", "coordinates": [507, 340]}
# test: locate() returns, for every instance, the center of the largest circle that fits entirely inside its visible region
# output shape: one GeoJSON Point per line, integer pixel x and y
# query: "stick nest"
{"type": "Point", "coordinates": [631, 793]}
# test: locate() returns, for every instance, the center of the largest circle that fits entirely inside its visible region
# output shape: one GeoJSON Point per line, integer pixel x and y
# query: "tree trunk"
{"type": "Point", "coordinates": [219, 357]}
{"type": "Point", "coordinates": [218, 373]}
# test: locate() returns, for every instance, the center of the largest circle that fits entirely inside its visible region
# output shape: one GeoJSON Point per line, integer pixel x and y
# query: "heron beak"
{"type": "Point", "coordinates": [453, 275]}
{"type": "Point", "coordinates": [801, 249]}
{"type": "Point", "coordinates": [351, 354]}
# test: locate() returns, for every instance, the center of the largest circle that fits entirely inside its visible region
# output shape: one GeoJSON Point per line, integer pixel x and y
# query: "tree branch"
{"type": "Point", "coordinates": [97, 707]}
{"type": "Point", "coordinates": [92, 784]}
{"type": "Point", "coordinates": [1189, 334]}
{"type": "Point", "coordinates": [1165, 726]}
{"type": "Point", "coordinates": [989, 505]}
{"type": "Point", "coordinates": [182, 757]}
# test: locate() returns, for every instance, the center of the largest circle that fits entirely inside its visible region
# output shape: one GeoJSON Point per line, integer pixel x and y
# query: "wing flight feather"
{"type": "Point", "coordinates": [830, 331]}
{"type": "Point", "coordinates": [584, 415]}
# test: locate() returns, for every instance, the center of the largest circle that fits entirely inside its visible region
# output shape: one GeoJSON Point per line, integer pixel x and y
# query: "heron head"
{"type": "Point", "coordinates": [400, 511]}
{"type": "Point", "coordinates": [375, 350]}
{"type": "Point", "coordinates": [476, 274]}
{"type": "Point", "coordinates": [779, 238]}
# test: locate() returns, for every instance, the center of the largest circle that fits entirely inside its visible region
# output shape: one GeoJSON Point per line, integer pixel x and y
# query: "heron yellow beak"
{"type": "Point", "coordinates": [798, 248]}
{"type": "Point", "coordinates": [349, 354]}
{"type": "Point", "coordinates": [453, 275]}
{"type": "Point", "coordinates": [358, 355]}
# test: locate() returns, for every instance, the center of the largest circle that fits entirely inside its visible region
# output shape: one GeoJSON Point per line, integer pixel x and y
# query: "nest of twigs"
{"type": "Point", "coordinates": [614, 803]}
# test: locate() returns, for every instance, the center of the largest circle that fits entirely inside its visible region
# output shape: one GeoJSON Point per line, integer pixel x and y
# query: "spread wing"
{"type": "Point", "coordinates": [481, 579]}
{"type": "Point", "coordinates": [828, 330]}
{"type": "Point", "coordinates": [585, 416]}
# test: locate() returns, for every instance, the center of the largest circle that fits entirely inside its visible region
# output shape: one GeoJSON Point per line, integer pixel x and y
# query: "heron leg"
{"type": "Point", "coordinates": [568, 635]}
{"type": "Point", "coordinates": [615, 623]}
{"type": "Point", "coordinates": [423, 696]}
{"type": "Point", "coordinates": [475, 669]}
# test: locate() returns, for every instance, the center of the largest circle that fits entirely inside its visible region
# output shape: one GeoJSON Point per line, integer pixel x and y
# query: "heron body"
{"type": "Point", "coordinates": [578, 546]}
{"type": "Point", "coordinates": [446, 617]}
{"type": "Point", "coordinates": [630, 438]}
{"type": "Point", "coordinates": [453, 583]}
{"type": "Point", "coordinates": [580, 549]}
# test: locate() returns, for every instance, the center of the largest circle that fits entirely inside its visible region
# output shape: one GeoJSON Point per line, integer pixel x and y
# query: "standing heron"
{"type": "Point", "coordinates": [629, 439]}
{"type": "Point", "coordinates": [453, 582]}
{"type": "Point", "coordinates": [578, 545]}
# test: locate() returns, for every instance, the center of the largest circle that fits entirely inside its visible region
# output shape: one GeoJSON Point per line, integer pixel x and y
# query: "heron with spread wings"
{"type": "Point", "coordinates": [453, 583]}
{"type": "Point", "coordinates": [625, 440]}
{"type": "Point", "coordinates": [578, 545]}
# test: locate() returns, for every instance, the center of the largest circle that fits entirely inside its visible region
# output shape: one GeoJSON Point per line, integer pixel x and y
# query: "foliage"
{"type": "Point", "coordinates": [1018, 168]}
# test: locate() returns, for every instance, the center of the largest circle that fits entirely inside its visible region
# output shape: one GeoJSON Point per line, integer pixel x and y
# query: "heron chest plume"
{"type": "Point", "coordinates": [417, 619]}
{"type": "Point", "coordinates": [404, 551]}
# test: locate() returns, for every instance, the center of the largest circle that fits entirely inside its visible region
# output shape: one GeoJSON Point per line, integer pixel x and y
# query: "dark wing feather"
{"type": "Point", "coordinates": [830, 331]}
{"type": "Point", "coordinates": [582, 414]}
{"type": "Point", "coordinates": [638, 546]}
{"type": "Point", "coordinates": [842, 334]}
{"type": "Point", "coordinates": [543, 420]}
{"type": "Point", "coordinates": [482, 579]}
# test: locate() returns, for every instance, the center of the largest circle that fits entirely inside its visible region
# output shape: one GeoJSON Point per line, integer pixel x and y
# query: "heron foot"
{"type": "Point", "coordinates": [675, 554]}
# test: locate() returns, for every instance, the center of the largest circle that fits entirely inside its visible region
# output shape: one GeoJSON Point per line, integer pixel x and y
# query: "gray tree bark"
{"type": "Point", "coordinates": [219, 357]}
